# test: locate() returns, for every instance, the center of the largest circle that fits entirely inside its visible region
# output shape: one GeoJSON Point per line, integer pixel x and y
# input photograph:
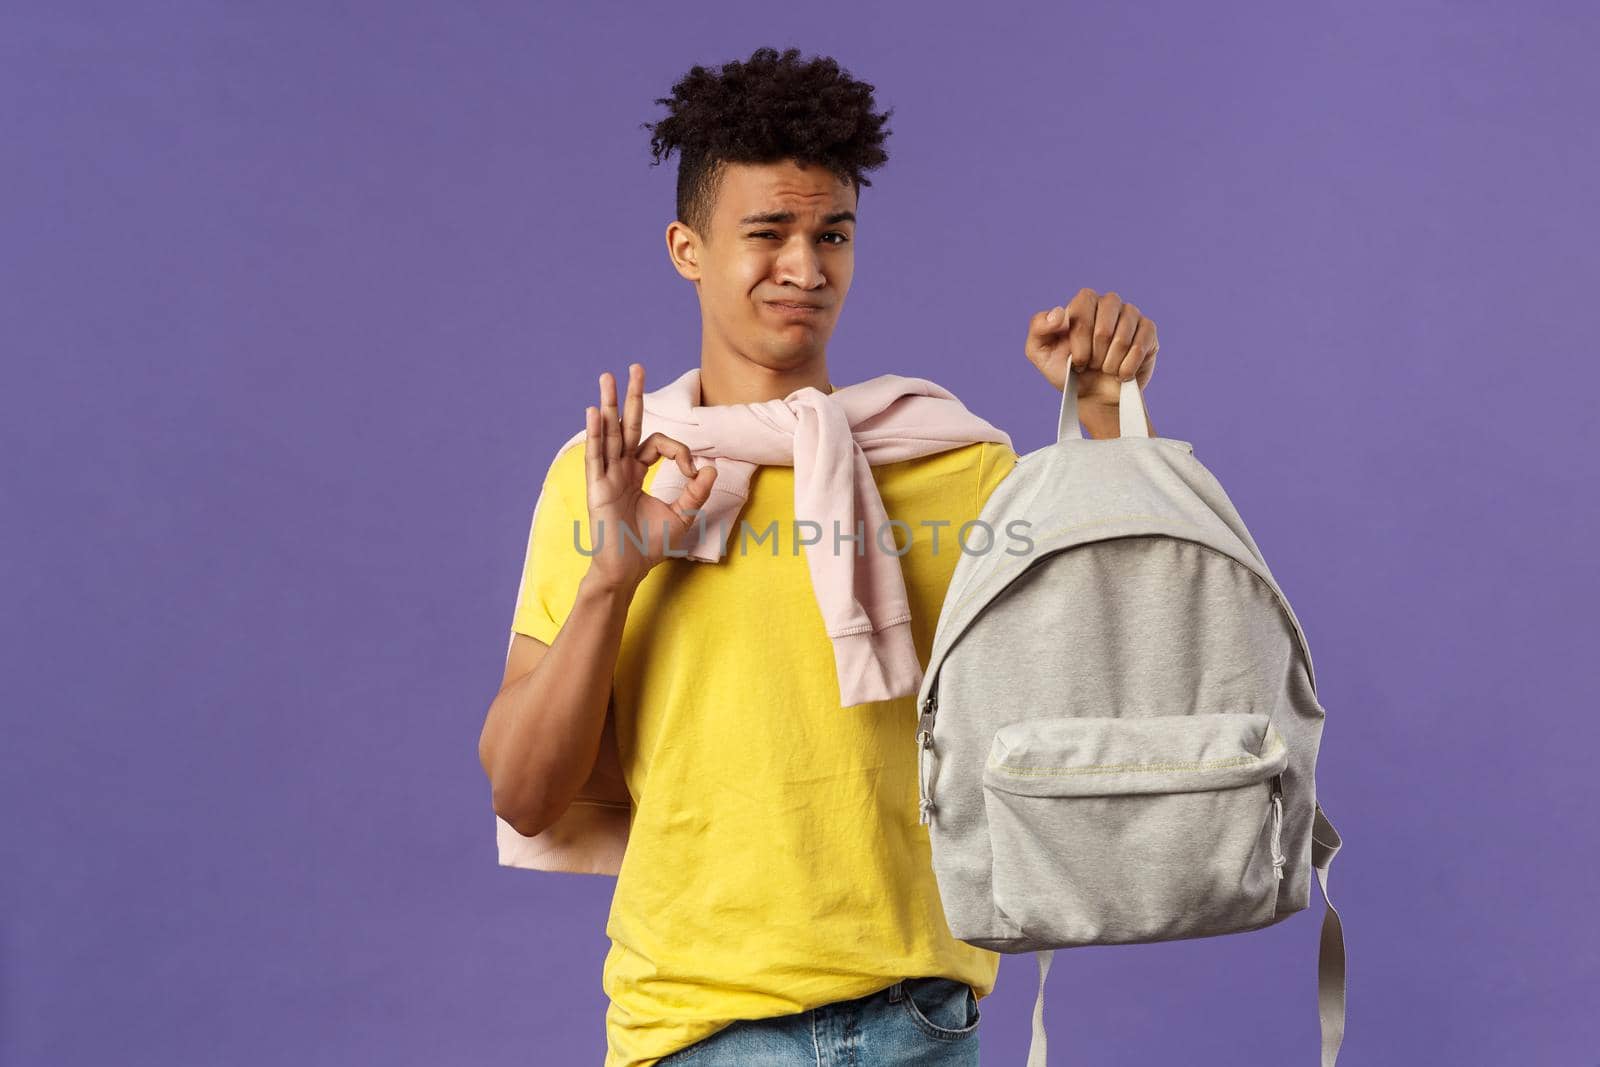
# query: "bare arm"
{"type": "Point", "coordinates": [542, 734]}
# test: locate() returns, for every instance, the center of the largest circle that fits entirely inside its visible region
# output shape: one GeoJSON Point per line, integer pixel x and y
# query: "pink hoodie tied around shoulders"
{"type": "Point", "coordinates": [831, 440]}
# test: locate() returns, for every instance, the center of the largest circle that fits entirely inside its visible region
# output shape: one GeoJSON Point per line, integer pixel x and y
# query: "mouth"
{"type": "Point", "coordinates": [794, 311]}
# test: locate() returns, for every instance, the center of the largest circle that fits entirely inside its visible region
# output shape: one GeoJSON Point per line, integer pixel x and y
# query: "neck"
{"type": "Point", "coordinates": [733, 379]}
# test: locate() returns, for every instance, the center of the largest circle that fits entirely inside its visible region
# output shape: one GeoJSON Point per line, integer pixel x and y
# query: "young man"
{"type": "Point", "coordinates": [776, 902]}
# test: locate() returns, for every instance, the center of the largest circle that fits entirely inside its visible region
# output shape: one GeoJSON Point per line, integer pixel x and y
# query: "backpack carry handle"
{"type": "Point", "coordinates": [1130, 410]}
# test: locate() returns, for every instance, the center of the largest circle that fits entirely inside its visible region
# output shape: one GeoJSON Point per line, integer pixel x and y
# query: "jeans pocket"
{"type": "Point", "coordinates": [942, 1008]}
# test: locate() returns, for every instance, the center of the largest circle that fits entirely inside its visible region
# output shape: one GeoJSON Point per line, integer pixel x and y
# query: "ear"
{"type": "Point", "coordinates": [683, 248]}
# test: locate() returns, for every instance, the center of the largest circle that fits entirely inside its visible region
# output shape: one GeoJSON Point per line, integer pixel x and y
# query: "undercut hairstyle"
{"type": "Point", "coordinates": [766, 109]}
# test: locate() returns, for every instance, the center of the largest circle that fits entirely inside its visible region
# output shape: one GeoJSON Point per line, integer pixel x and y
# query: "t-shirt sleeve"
{"type": "Point", "coordinates": [553, 565]}
{"type": "Point", "coordinates": [994, 463]}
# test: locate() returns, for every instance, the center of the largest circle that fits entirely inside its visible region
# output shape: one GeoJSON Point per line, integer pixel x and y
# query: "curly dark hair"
{"type": "Point", "coordinates": [766, 109]}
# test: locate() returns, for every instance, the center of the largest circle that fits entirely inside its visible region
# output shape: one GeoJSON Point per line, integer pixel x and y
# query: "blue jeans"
{"type": "Point", "coordinates": [917, 1022]}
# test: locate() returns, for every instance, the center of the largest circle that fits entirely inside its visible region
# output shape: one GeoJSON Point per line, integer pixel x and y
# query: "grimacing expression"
{"type": "Point", "coordinates": [779, 260]}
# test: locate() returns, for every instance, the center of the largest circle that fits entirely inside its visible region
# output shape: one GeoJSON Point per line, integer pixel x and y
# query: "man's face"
{"type": "Point", "coordinates": [780, 235]}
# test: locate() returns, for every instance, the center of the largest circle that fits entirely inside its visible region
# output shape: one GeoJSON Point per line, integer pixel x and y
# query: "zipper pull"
{"type": "Point", "coordinates": [925, 722]}
{"type": "Point", "coordinates": [1278, 858]}
{"type": "Point", "coordinates": [925, 806]}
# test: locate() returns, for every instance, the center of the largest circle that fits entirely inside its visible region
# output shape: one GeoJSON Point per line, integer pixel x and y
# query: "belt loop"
{"type": "Point", "coordinates": [897, 991]}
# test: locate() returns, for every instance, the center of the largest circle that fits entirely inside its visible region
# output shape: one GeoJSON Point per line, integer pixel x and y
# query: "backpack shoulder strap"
{"type": "Point", "coordinates": [1036, 1050]}
{"type": "Point", "coordinates": [1325, 842]}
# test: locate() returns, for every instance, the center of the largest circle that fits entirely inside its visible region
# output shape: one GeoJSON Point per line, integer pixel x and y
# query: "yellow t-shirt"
{"type": "Point", "coordinates": [775, 862]}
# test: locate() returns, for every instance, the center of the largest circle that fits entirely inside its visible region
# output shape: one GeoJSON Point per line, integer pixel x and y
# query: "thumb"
{"type": "Point", "coordinates": [696, 491]}
{"type": "Point", "coordinates": [1045, 331]}
{"type": "Point", "coordinates": [686, 510]}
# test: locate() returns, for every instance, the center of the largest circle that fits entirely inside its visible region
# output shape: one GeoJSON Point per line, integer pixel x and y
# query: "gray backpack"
{"type": "Point", "coordinates": [1119, 724]}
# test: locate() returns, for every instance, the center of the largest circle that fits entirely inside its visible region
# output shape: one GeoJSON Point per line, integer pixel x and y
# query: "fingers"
{"type": "Point", "coordinates": [1120, 350]}
{"type": "Point", "coordinates": [659, 444]}
{"type": "Point", "coordinates": [1080, 334]}
{"type": "Point", "coordinates": [1107, 309]}
{"type": "Point", "coordinates": [594, 459]}
{"type": "Point", "coordinates": [633, 409]}
{"type": "Point", "coordinates": [608, 417]}
{"type": "Point", "coordinates": [1118, 363]}
{"type": "Point", "coordinates": [1100, 333]}
{"type": "Point", "coordinates": [1148, 367]}
{"type": "Point", "coordinates": [608, 437]}
{"type": "Point", "coordinates": [1140, 353]}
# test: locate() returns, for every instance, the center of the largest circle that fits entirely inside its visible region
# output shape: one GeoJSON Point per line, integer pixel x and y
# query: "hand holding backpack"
{"type": "Point", "coordinates": [1119, 726]}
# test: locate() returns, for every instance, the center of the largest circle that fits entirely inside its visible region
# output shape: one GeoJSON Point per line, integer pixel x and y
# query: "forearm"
{"type": "Point", "coordinates": [1103, 420]}
{"type": "Point", "coordinates": [545, 726]}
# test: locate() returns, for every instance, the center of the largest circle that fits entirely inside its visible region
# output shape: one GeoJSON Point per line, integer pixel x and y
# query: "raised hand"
{"type": "Point", "coordinates": [615, 463]}
{"type": "Point", "coordinates": [1106, 339]}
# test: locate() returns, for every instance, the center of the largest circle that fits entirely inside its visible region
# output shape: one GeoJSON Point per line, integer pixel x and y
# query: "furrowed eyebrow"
{"type": "Point", "coordinates": [788, 216]}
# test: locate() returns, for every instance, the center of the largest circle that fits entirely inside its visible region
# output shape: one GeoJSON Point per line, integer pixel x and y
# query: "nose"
{"type": "Point", "coordinates": [800, 266]}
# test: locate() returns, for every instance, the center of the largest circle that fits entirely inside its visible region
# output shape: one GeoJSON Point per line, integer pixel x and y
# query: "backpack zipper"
{"type": "Point", "coordinates": [1278, 858]}
{"type": "Point", "coordinates": [925, 742]}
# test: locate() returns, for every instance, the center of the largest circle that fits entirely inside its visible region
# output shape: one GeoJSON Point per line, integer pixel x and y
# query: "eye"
{"type": "Point", "coordinates": [842, 239]}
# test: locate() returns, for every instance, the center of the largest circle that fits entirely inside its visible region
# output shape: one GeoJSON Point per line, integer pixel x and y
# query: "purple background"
{"type": "Point", "coordinates": [298, 303]}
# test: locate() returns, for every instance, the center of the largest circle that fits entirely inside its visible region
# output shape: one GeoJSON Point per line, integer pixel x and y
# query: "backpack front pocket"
{"type": "Point", "coordinates": [1117, 830]}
